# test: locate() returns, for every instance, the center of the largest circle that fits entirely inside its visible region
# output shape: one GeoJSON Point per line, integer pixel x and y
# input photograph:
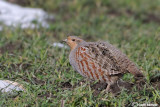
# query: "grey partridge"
{"type": "Point", "coordinates": [100, 61]}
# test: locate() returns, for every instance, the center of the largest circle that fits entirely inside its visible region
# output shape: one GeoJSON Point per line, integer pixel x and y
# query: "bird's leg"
{"type": "Point", "coordinates": [108, 87]}
{"type": "Point", "coordinates": [111, 82]}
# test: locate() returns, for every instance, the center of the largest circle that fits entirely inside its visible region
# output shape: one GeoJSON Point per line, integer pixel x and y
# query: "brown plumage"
{"type": "Point", "coordinates": [99, 61]}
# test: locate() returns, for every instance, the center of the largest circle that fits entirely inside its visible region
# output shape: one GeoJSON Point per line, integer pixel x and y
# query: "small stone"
{"type": "Point", "coordinates": [10, 87]}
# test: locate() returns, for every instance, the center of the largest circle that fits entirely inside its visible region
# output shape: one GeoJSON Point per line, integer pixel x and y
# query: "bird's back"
{"type": "Point", "coordinates": [123, 61]}
{"type": "Point", "coordinates": [97, 60]}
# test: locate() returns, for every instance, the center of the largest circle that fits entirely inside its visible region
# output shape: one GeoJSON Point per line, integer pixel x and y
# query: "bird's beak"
{"type": "Point", "coordinates": [65, 40]}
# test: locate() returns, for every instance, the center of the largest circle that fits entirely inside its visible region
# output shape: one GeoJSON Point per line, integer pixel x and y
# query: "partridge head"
{"type": "Point", "coordinates": [73, 41]}
{"type": "Point", "coordinates": [99, 61]}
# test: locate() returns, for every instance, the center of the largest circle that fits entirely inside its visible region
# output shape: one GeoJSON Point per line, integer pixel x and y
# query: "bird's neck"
{"type": "Point", "coordinates": [73, 46]}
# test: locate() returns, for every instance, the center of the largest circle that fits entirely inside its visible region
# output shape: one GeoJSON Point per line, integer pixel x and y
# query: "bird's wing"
{"type": "Point", "coordinates": [122, 60]}
{"type": "Point", "coordinates": [98, 56]}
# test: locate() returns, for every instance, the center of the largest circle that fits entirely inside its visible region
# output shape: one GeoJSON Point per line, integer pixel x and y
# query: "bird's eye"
{"type": "Point", "coordinates": [73, 40]}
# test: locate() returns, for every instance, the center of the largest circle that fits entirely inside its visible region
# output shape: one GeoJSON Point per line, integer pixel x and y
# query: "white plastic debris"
{"type": "Point", "coordinates": [15, 15]}
{"type": "Point", "coordinates": [10, 87]}
{"type": "Point", "coordinates": [60, 45]}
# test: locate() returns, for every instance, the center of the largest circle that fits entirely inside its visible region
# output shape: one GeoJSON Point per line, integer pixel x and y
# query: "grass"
{"type": "Point", "coordinates": [27, 56]}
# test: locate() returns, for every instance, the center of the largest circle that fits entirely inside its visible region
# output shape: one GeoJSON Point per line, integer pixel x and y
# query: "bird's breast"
{"type": "Point", "coordinates": [73, 62]}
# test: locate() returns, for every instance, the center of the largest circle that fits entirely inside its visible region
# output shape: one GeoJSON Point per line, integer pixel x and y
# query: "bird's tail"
{"type": "Point", "coordinates": [133, 69]}
{"type": "Point", "coordinates": [140, 79]}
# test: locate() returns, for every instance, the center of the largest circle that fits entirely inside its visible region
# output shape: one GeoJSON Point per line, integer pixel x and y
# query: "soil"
{"type": "Point", "coordinates": [149, 17]}
{"type": "Point", "coordinates": [155, 81]}
{"type": "Point", "coordinates": [11, 47]}
{"type": "Point", "coordinates": [20, 2]}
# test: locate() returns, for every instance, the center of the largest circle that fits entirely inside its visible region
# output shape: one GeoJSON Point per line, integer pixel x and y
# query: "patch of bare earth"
{"type": "Point", "coordinates": [15, 67]}
{"type": "Point", "coordinates": [20, 2]}
{"type": "Point", "coordinates": [11, 47]}
{"type": "Point", "coordinates": [155, 81]}
{"type": "Point", "coordinates": [148, 17]}
{"type": "Point", "coordinates": [98, 87]}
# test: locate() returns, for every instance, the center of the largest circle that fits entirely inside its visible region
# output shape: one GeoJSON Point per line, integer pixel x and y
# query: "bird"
{"type": "Point", "coordinates": [100, 61]}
